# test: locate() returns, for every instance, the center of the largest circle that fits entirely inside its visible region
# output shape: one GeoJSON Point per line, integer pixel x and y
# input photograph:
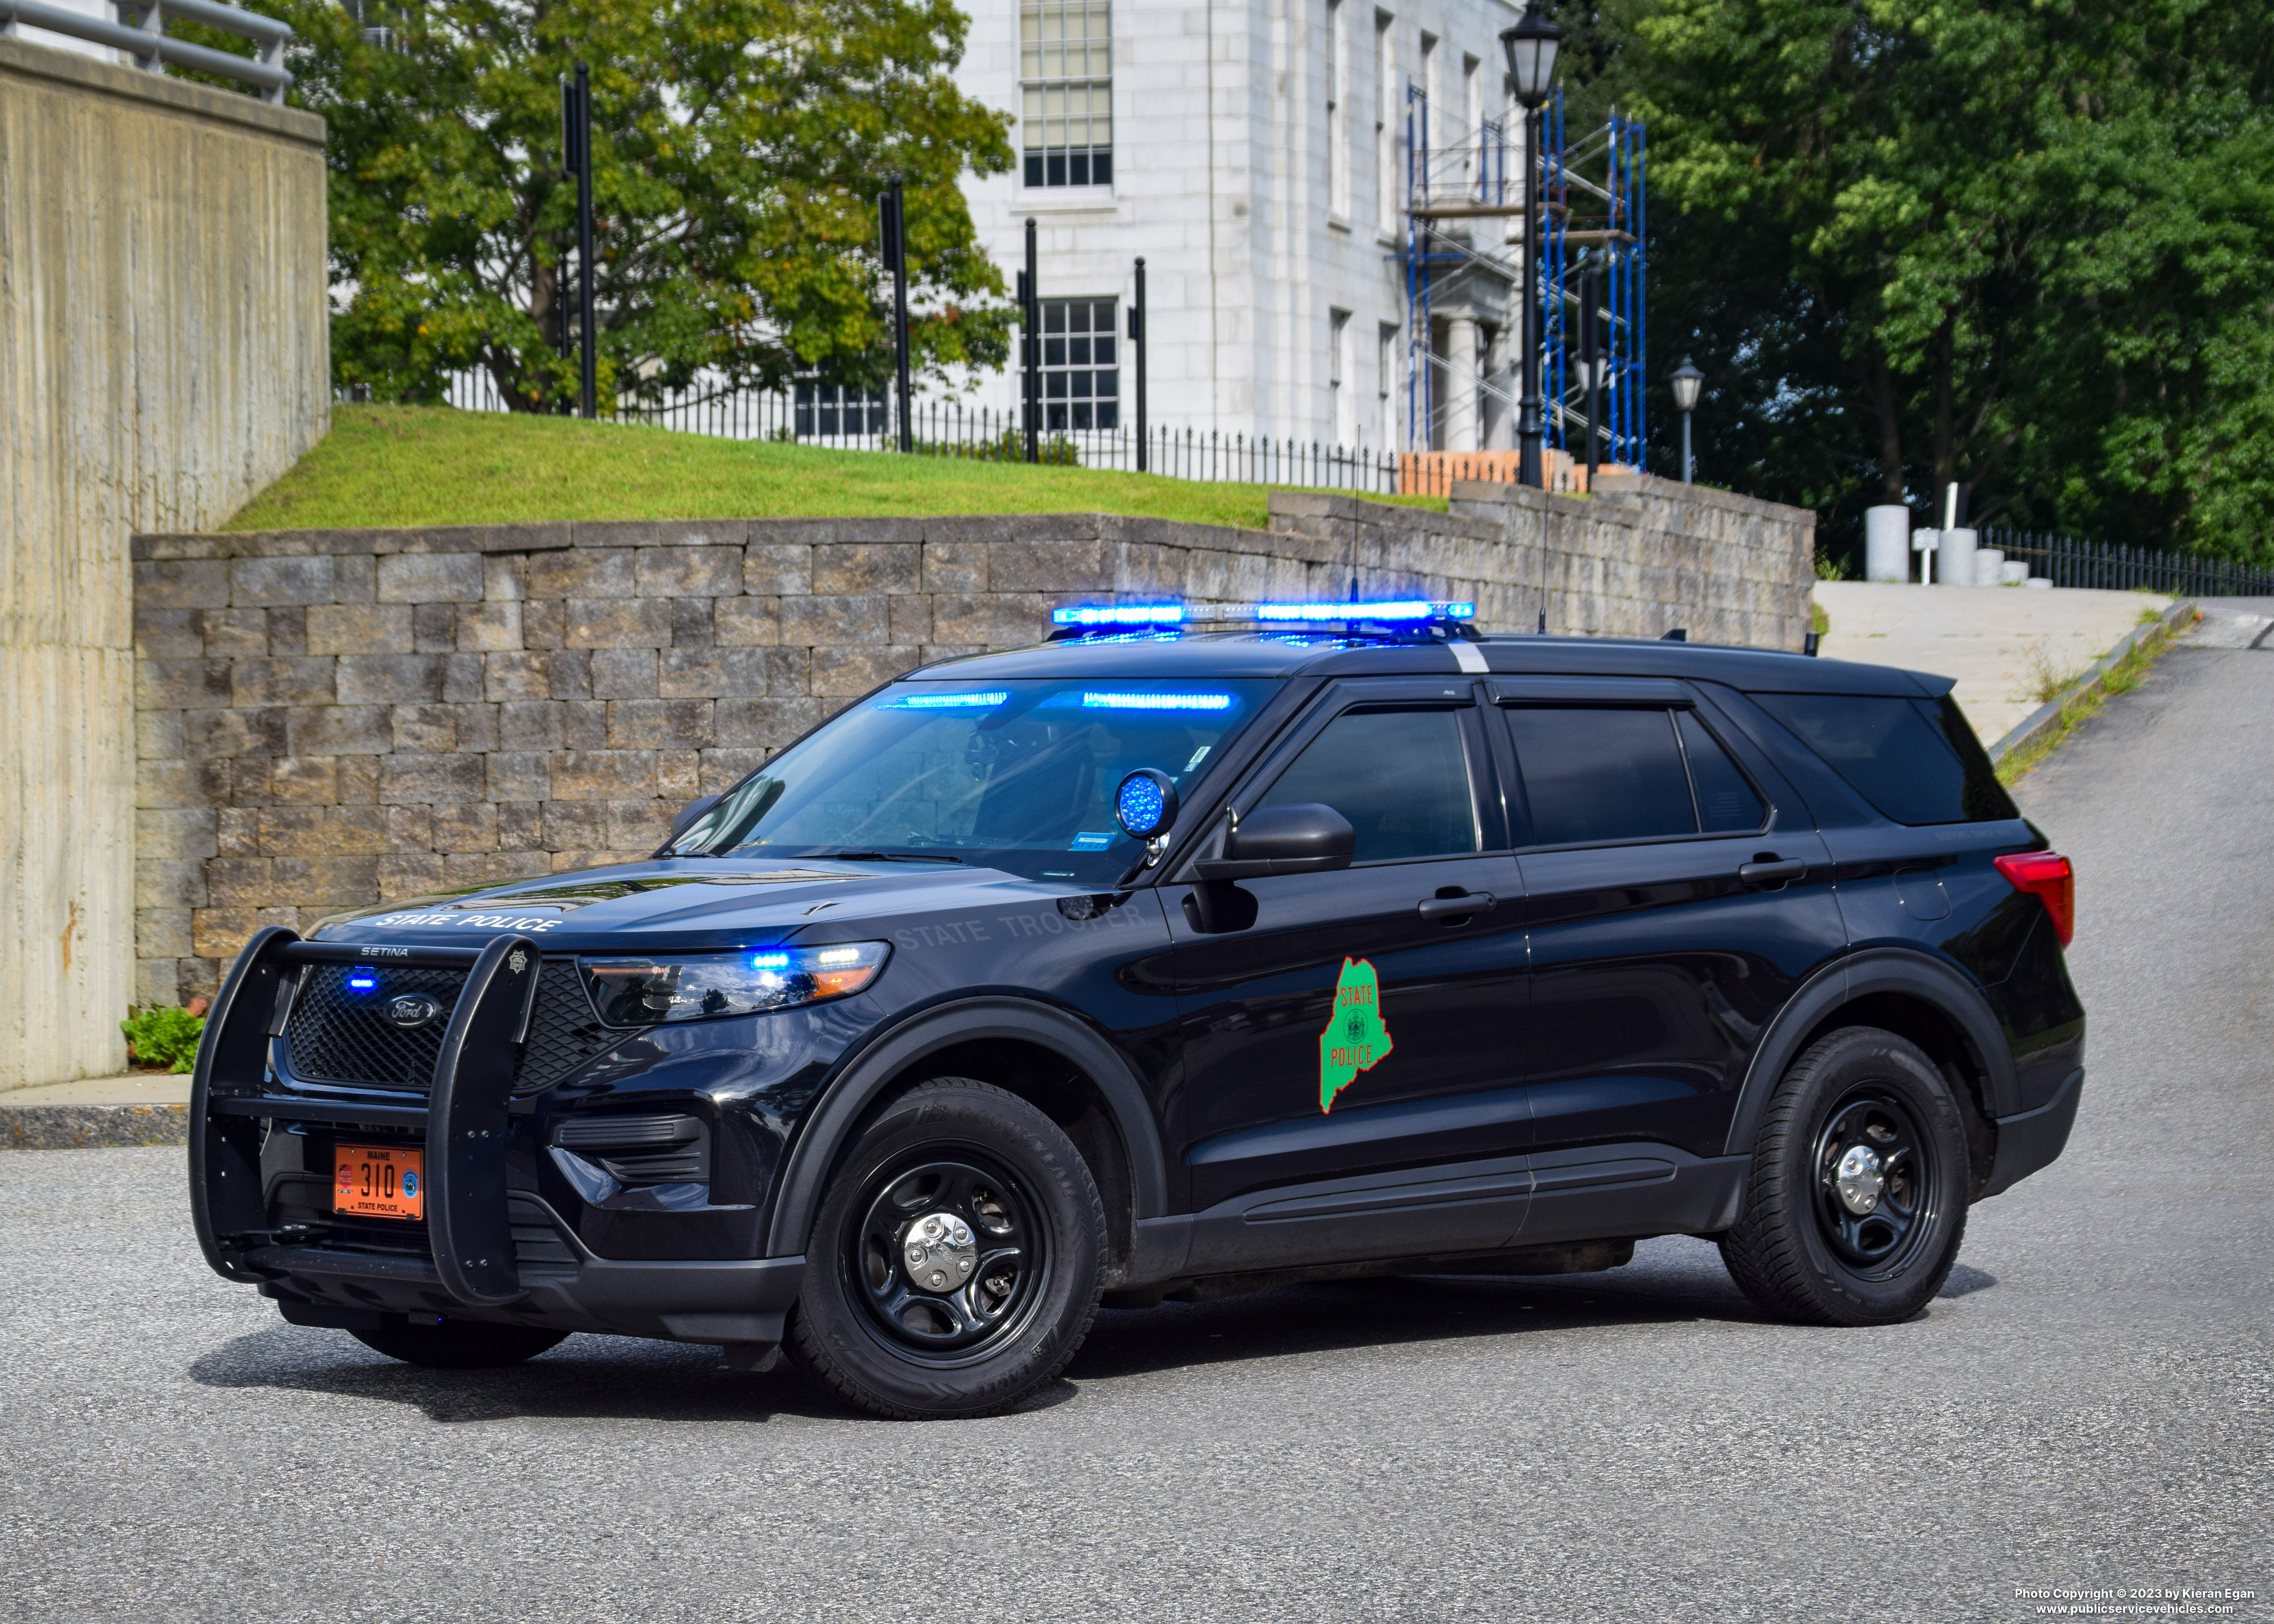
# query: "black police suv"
{"type": "Point", "coordinates": [1170, 961]}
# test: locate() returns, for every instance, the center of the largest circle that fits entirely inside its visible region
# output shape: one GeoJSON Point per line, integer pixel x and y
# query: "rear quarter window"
{"type": "Point", "coordinates": [1916, 760]}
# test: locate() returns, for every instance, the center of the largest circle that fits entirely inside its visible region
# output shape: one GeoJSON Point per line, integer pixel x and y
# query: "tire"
{"type": "Point", "coordinates": [460, 1344]}
{"type": "Point", "coordinates": [1006, 1218]}
{"type": "Point", "coordinates": [1867, 1105]}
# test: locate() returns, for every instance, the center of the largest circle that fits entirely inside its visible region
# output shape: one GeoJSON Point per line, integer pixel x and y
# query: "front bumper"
{"type": "Point", "coordinates": [485, 1251]}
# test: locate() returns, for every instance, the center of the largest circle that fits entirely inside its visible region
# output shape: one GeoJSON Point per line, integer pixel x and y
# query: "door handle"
{"type": "Point", "coordinates": [1770, 869]}
{"type": "Point", "coordinates": [1436, 909]}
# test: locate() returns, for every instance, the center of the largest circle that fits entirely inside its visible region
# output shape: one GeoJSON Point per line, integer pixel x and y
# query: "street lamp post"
{"type": "Point", "coordinates": [1532, 45]}
{"type": "Point", "coordinates": [1686, 379]}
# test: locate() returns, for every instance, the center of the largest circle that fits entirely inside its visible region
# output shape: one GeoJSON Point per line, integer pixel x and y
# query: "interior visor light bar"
{"type": "Point", "coordinates": [1119, 614]}
{"type": "Point", "coordinates": [1392, 609]}
{"type": "Point", "coordinates": [1156, 702]}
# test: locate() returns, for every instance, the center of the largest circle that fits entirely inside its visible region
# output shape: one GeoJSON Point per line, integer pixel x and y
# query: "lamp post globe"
{"type": "Point", "coordinates": [1532, 47]}
{"type": "Point", "coordinates": [1687, 378]}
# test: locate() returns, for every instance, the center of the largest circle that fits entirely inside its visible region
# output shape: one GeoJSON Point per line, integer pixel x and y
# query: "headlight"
{"type": "Point", "coordinates": [640, 992]}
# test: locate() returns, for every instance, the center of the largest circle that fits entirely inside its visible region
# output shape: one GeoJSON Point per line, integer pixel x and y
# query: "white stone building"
{"type": "Point", "coordinates": [1255, 154]}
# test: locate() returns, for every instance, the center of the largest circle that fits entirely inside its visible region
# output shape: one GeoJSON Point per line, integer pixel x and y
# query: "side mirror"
{"type": "Point", "coordinates": [1306, 838]}
{"type": "Point", "coordinates": [687, 815]}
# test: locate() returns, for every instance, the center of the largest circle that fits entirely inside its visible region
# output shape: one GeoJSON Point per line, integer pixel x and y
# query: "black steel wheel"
{"type": "Point", "coordinates": [1875, 1183]}
{"type": "Point", "coordinates": [1855, 1201]}
{"type": "Point", "coordinates": [948, 1255]}
{"type": "Point", "coordinates": [956, 1262]}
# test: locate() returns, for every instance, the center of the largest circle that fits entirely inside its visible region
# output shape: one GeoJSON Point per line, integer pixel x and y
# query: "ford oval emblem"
{"type": "Point", "coordinates": [413, 1009]}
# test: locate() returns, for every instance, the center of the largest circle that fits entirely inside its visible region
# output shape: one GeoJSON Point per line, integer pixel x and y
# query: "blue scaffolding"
{"type": "Point", "coordinates": [1594, 203]}
{"type": "Point", "coordinates": [1596, 197]}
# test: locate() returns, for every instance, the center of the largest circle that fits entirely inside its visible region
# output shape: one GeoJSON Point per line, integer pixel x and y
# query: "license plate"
{"type": "Point", "coordinates": [380, 1181]}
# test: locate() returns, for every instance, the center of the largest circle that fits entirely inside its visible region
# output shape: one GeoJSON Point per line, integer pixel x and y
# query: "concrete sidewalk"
{"type": "Point", "coordinates": [1993, 640]}
{"type": "Point", "coordinates": [142, 1108]}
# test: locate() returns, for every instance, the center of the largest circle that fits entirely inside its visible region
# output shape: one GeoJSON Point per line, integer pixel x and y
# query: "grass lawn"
{"type": "Point", "coordinates": [384, 465]}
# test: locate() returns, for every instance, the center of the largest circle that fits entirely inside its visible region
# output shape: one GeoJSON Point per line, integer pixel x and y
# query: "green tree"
{"type": "Point", "coordinates": [2022, 248]}
{"type": "Point", "coordinates": [737, 147]}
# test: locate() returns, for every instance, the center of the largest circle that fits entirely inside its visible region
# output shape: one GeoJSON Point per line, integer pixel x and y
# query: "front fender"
{"type": "Point", "coordinates": [846, 1097]}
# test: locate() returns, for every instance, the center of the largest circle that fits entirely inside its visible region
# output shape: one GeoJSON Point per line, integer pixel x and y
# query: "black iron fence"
{"type": "Point", "coordinates": [841, 419]}
{"type": "Point", "coordinates": [2068, 561]}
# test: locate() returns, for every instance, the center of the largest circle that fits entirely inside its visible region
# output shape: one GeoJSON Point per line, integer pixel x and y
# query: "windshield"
{"type": "Point", "coordinates": [1017, 774]}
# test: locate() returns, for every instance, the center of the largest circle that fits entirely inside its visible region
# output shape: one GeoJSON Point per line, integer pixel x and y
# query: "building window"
{"type": "Point", "coordinates": [1337, 98]}
{"type": "Point", "coordinates": [1386, 113]}
{"type": "Point", "coordinates": [1066, 63]}
{"type": "Point", "coordinates": [1081, 378]}
{"type": "Point", "coordinates": [1385, 379]}
{"type": "Point", "coordinates": [832, 410]}
{"type": "Point", "coordinates": [1340, 408]}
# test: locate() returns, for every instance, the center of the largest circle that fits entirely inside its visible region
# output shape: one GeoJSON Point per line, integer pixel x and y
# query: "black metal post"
{"type": "Point", "coordinates": [569, 165]}
{"type": "Point", "coordinates": [1588, 354]}
{"type": "Point", "coordinates": [899, 237]}
{"type": "Point", "coordinates": [589, 386]}
{"type": "Point", "coordinates": [1031, 344]}
{"type": "Point", "coordinates": [1530, 432]}
{"type": "Point", "coordinates": [1137, 337]}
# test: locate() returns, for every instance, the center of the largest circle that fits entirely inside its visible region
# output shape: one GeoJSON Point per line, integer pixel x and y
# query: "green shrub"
{"type": "Point", "coordinates": [164, 1037]}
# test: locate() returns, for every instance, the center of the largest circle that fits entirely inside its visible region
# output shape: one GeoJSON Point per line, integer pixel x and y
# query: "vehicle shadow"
{"type": "Point", "coordinates": [1673, 1280]}
{"type": "Point", "coordinates": [584, 1379]}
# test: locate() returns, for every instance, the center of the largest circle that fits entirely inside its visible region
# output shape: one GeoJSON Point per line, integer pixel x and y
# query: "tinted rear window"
{"type": "Point", "coordinates": [1916, 760]}
{"type": "Point", "coordinates": [1600, 775]}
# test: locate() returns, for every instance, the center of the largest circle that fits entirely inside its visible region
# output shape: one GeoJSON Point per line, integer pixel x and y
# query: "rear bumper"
{"type": "Point", "coordinates": [2034, 1140]}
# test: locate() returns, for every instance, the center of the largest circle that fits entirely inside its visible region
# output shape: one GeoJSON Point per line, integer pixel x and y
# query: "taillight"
{"type": "Point", "coordinates": [2048, 876]}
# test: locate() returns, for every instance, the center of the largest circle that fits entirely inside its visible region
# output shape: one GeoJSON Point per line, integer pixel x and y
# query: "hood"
{"type": "Point", "coordinates": [688, 904]}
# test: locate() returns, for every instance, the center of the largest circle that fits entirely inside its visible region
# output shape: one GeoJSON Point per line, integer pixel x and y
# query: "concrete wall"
{"type": "Point", "coordinates": [163, 355]}
{"type": "Point", "coordinates": [330, 719]}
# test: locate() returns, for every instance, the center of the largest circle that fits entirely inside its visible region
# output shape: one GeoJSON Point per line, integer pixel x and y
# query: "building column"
{"type": "Point", "coordinates": [1464, 363]}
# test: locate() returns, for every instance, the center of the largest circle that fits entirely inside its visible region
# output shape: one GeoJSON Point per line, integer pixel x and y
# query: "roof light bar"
{"type": "Point", "coordinates": [1119, 614]}
{"type": "Point", "coordinates": [1392, 609]}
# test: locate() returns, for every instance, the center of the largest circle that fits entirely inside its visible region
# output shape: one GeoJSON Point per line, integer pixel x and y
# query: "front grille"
{"type": "Point", "coordinates": [340, 1035]}
{"type": "Point", "coordinates": [337, 1035]}
{"type": "Point", "coordinates": [562, 1035]}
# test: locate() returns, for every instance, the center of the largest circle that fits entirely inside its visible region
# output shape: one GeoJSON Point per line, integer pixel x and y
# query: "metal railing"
{"type": "Point", "coordinates": [141, 33]}
{"type": "Point", "coordinates": [848, 421]}
{"type": "Point", "coordinates": [2067, 562]}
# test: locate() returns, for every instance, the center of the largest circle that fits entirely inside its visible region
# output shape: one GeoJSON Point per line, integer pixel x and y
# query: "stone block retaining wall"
{"type": "Point", "coordinates": [332, 719]}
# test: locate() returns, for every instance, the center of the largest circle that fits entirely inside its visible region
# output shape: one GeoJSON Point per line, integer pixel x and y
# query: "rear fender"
{"type": "Point", "coordinates": [1861, 975]}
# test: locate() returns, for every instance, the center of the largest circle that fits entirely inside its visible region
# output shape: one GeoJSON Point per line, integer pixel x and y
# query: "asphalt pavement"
{"type": "Point", "coordinates": [2086, 1407]}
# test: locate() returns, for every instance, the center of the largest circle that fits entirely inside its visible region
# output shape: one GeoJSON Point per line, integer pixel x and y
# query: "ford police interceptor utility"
{"type": "Point", "coordinates": [1199, 948]}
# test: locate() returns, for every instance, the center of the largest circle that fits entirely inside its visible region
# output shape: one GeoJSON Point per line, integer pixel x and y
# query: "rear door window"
{"type": "Point", "coordinates": [1595, 775]}
{"type": "Point", "coordinates": [1916, 760]}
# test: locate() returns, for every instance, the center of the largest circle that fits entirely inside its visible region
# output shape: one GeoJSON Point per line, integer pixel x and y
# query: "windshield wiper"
{"type": "Point", "coordinates": [882, 857]}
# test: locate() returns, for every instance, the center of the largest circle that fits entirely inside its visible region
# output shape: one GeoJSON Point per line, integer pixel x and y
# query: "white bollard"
{"type": "Point", "coordinates": [1953, 564]}
{"type": "Point", "coordinates": [2013, 572]}
{"type": "Point", "coordinates": [1887, 543]}
{"type": "Point", "coordinates": [1989, 566]}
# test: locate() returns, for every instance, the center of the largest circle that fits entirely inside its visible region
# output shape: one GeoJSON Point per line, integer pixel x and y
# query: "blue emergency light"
{"type": "Point", "coordinates": [1119, 614]}
{"type": "Point", "coordinates": [1392, 609]}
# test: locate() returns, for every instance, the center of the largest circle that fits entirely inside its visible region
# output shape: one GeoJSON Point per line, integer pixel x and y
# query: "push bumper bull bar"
{"type": "Point", "coordinates": [464, 1120]}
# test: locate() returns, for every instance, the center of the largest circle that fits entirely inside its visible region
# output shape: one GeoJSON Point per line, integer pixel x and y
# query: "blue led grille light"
{"type": "Point", "coordinates": [1156, 702]}
{"type": "Point", "coordinates": [362, 978]}
{"type": "Point", "coordinates": [1393, 609]}
{"type": "Point", "coordinates": [951, 701]}
{"type": "Point", "coordinates": [768, 961]}
{"type": "Point", "coordinates": [1119, 614]}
